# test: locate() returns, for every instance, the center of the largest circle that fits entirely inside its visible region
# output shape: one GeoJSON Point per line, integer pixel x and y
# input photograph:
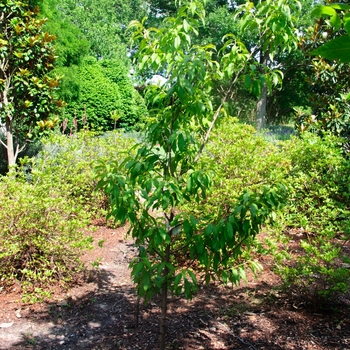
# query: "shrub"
{"type": "Point", "coordinates": [68, 163]}
{"type": "Point", "coordinates": [47, 204]}
{"type": "Point", "coordinates": [240, 160]}
{"type": "Point", "coordinates": [319, 209]}
{"type": "Point", "coordinates": [317, 177]}
{"type": "Point", "coordinates": [95, 90]}
{"type": "Point", "coordinates": [40, 233]}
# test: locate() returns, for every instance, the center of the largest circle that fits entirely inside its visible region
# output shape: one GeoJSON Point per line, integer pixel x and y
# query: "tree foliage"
{"type": "Point", "coordinates": [26, 57]}
{"type": "Point", "coordinates": [148, 189]}
{"type": "Point", "coordinates": [339, 18]}
{"type": "Point", "coordinates": [102, 23]}
{"type": "Point", "coordinates": [328, 78]}
{"type": "Point", "coordinates": [96, 89]}
{"type": "Point", "coordinates": [71, 45]}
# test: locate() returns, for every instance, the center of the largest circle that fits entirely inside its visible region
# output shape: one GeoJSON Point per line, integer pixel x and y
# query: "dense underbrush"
{"type": "Point", "coordinates": [47, 204]}
{"type": "Point", "coordinates": [316, 175]}
{"type": "Point", "coordinates": [49, 201]}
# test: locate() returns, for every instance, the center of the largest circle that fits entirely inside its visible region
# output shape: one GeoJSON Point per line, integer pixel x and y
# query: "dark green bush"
{"type": "Point", "coordinates": [94, 91]}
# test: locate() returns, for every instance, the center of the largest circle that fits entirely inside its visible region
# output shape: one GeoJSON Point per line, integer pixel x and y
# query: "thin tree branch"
{"type": "Point", "coordinates": [217, 113]}
{"type": "Point", "coordinates": [18, 150]}
{"type": "Point", "coordinates": [3, 143]}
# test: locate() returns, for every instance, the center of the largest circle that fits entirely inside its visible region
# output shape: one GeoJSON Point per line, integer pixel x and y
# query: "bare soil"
{"type": "Point", "coordinates": [99, 313]}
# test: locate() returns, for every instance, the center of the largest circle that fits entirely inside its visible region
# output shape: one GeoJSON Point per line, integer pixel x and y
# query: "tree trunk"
{"type": "Point", "coordinates": [261, 109]}
{"type": "Point", "coordinates": [261, 105]}
{"type": "Point", "coordinates": [164, 306]}
{"type": "Point", "coordinates": [11, 157]}
{"type": "Point", "coordinates": [9, 144]}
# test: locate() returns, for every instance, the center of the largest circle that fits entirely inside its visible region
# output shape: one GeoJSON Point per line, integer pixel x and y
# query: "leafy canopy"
{"type": "Point", "coordinates": [339, 18]}
{"type": "Point", "coordinates": [148, 189]}
{"type": "Point", "coordinates": [26, 56]}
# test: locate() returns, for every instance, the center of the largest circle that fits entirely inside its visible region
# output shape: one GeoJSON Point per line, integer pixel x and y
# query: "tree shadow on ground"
{"type": "Point", "coordinates": [247, 317]}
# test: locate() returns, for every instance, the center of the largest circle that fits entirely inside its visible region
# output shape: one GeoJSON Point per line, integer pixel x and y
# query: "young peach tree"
{"type": "Point", "coordinates": [149, 189]}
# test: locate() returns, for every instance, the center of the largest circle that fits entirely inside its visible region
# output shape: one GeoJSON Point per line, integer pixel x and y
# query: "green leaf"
{"type": "Point", "coordinates": [193, 276]}
{"type": "Point", "coordinates": [194, 221]}
{"type": "Point", "coordinates": [177, 280]}
{"type": "Point", "coordinates": [242, 274]}
{"type": "Point", "coordinates": [146, 281]}
{"type": "Point", "coordinates": [186, 25]}
{"type": "Point", "coordinates": [189, 184]}
{"type": "Point", "coordinates": [246, 227]}
{"type": "Point", "coordinates": [187, 228]}
{"type": "Point", "coordinates": [137, 268]}
{"type": "Point", "coordinates": [200, 246]}
{"type": "Point", "coordinates": [177, 42]}
{"type": "Point", "coordinates": [229, 230]}
{"type": "Point", "coordinates": [181, 142]}
{"type": "Point", "coordinates": [253, 210]}
{"type": "Point", "coordinates": [235, 276]}
{"type": "Point", "coordinates": [187, 289]}
{"type": "Point", "coordinates": [343, 7]}
{"type": "Point", "coordinates": [323, 11]}
{"type": "Point", "coordinates": [336, 49]}
{"type": "Point", "coordinates": [224, 276]}
{"type": "Point", "coordinates": [346, 20]}
{"type": "Point", "coordinates": [335, 22]}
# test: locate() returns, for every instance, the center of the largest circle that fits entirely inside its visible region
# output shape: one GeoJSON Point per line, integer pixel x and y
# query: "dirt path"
{"type": "Point", "coordinates": [100, 314]}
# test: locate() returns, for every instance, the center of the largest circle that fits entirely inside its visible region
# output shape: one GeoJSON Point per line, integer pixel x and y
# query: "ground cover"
{"type": "Point", "coordinates": [99, 312]}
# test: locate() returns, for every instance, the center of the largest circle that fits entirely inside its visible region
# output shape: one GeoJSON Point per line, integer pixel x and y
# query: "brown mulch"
{"type": "Point", "coordinates": [99, 313]}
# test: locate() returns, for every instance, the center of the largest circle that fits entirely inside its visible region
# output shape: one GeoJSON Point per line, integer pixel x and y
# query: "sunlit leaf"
{"type": "Point", "coordinates": [177, 42]}
{"type": "Point", "coordinates": [321, 10]}
{"type": "Point", "coordinates": [336, 49]}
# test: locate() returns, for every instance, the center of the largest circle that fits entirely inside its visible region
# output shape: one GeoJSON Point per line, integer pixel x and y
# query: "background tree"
{"type": "Point", "coordinates": [328, 71]}
{"type": "Point", "coordinates": [103, 23]}
{"type": "Point", "coordinates": [71, 43]}
{"type": "Point", "coordinates": [93, 62]}
{"type": "Point", "coordinates": [26, 57]}
{"type": "Point", "coordinates": [272, 32]}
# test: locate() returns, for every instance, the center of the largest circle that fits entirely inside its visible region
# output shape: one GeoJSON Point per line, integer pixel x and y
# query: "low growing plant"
{"type": "Point", "coordinates": [68, 163]}
{"type": "Point", "coordinates": [46, 205]}
{"type": "Point", "coordinates": [240, 161]}
{"type": "Point", "coordinates": [41, 234]}
{"type": "Point", "coordinates": [318, 214]}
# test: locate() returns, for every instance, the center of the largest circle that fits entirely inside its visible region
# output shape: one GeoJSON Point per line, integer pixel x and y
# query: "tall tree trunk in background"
{"type": "Point", "coordinates": [11, 158]}
{"type": "Point", "coordinates": [261, 105]}
{"type": "Point", "coordinates": [9, 144]}
{"type": "Point", "coordinates": [261, 109]}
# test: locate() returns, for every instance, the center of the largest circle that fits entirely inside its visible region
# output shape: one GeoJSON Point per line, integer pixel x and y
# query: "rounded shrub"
{"type": "Point", "coordinates": [239, 160]}
{"type": "Point", "coordinates": [47, 204]}
{"type": "Point", "coordinates": [94, 91]}
{"type": "Point", "coordinates": [41, 234]}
